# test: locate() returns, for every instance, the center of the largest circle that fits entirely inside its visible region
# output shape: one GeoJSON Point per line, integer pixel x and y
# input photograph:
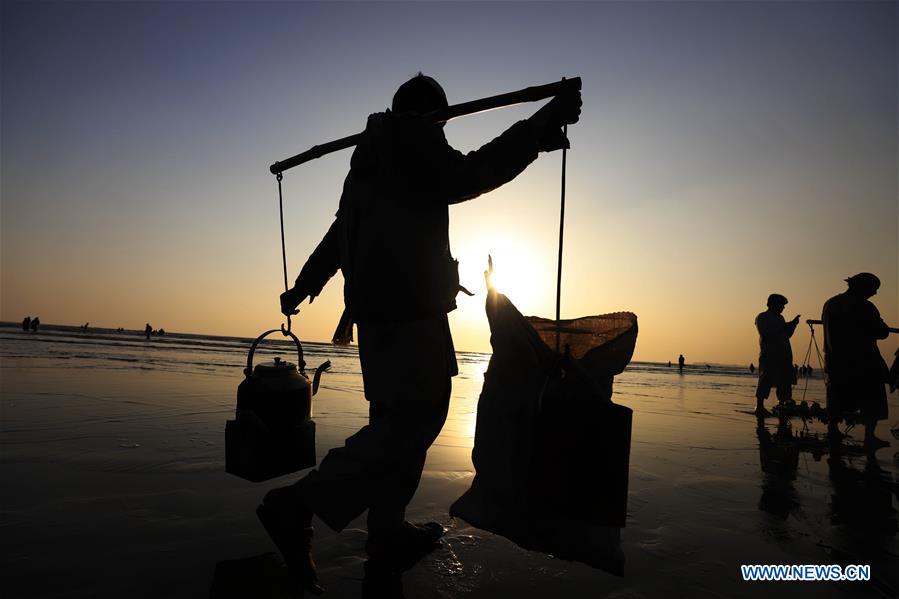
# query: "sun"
{"type": "Point", "coordinates": [518, 272]}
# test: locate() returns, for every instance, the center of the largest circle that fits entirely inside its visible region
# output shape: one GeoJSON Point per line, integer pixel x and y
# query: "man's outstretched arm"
{"type": "Point", "coordinates": [504, 158]}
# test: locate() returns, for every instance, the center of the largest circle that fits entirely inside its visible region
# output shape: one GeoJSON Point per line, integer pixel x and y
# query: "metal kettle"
{"type": "Point", "coordinates": [279, 392]}
{"type": "Point", "coordinates": [273, 433]}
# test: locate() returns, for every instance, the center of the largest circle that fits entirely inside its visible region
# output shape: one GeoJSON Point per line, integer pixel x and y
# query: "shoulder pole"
{"type": "Point", "coordinates": [529, 94]}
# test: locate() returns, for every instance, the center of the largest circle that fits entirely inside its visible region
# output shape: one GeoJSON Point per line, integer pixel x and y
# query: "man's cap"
{"type": "Point", "coordinates": [776, 299]}
{"type": "Point", "coordinates": [864, 280]}
{"type": "Point", "coordinates": [420, 94]}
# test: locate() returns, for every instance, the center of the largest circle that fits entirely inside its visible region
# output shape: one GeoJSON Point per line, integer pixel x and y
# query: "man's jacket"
{"type": "Point", "coordinates": [390, 237]}
{"type": "Point", "coordinates": [852, 326]}
{"type": "Point", "coordinates": [774, 341]}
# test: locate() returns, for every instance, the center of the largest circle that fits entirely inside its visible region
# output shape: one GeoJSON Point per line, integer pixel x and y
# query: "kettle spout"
{"type": "Point", "coordinates": [318, 375]}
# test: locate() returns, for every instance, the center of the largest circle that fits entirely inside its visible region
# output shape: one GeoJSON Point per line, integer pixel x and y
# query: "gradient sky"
{"type": "Point", "coordinates": [726, 150]}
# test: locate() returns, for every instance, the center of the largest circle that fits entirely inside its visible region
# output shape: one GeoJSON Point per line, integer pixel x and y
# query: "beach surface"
{"type": "Point", "coordinates": [113, 484]}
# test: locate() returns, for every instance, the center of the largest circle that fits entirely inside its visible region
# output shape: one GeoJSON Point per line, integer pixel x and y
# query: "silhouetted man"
{"type": "Point", "coordinates": [148, 330]}
{"type": "Point", "coordinates": [776, 354]}
{"type": "Point", "coordinates": [680, 363]}
{"type": "Point", "coordinates": [856, 370]}
{"type": "Point", "coordinates": [390, 240]}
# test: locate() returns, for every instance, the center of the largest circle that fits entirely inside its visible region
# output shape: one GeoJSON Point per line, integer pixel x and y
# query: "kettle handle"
{"type": "Point", "coordinates": [300, 363]}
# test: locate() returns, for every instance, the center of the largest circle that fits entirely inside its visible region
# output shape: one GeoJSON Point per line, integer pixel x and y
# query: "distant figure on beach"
{"type": "Point", "coordinates": [751, 368]}
{"type": "Point", "coordinates": [680, 363]}
{"type": "Point", "coordinates": [776, 354]}
{"type": "Point", "coordinates": [669, 363]}
{"type": "Point", "coordinates": [35, 324]}
{"type": "Point", "coordinates": [390, 240]}
{"type": "Point", "coordinates": [148, 330]}
{"type": "Point", "coordinates": [161, 332]}
{"type": "Point", "coordinates": [856, 371]}
{"type": "Point", "coordinates": [707, 367]}
{"type": "Point", "coordinates": [84, 326]}
{"type": "Point", "coordinates": [26, 323]}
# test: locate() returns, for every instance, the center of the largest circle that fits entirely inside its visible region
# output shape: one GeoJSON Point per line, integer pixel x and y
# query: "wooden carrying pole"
{"type": "Point", "coordinates": [810, 322]}
{"type": "Point", "coordinates": [529, 94]}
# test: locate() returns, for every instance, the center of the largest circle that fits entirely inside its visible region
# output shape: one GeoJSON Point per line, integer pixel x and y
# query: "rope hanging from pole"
{"type": "Point", "coordinates": [561, 239]}
{"type": "Point", "coordinates": [280, 176]}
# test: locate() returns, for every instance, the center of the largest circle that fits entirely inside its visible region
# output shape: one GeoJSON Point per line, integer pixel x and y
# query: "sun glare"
{"type": "Point", "coordinates": [517, 273]}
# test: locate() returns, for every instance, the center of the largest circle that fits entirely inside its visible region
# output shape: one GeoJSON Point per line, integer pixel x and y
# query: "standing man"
{"type": "Point", "coordinates": [856, 370]}
{"type": "Point", "coordinates": [775, 355]}
{"type": "Point", "coordinates": [680, 363]}
{"type": "Point", "coordinates": [390, 240]}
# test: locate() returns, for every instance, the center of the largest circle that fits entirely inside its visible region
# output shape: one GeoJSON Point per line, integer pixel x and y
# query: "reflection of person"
{"type": "Point", "coordinates": [779, 459]}
{"type": "Point", "coordinates": [775, 353]}
{"type": "Point", "coordinates": [856, 370]}
{"type": "Point", "coordinates": [862, 499]}
{"type": "Point", "coordinates": [390, 240]}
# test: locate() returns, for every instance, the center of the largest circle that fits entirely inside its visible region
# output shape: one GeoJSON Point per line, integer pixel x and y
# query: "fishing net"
{"type": "Point", "coordinates": [551, 449]}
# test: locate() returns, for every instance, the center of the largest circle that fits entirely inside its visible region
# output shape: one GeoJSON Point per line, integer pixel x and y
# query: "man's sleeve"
{"type": "Point", "coordinates": [323, 263]}
{"type": "Point", "coordinates": [466, 176]}
{"type": "Point", "coordinates": [791, 327]}
{"type": "Point", "coordinates": [878, 327]}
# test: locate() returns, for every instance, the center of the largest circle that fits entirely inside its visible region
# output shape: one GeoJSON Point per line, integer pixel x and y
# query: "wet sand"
{"type": "Point", "coordinates": [113, 485]}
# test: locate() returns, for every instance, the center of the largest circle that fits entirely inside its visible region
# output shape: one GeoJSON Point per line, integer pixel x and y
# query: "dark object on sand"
{"type": "Point", "coordinates": [790, 409]}
{"type": "Point", "coordinates": [273, 433]}
{"type": "Point", "coordinates": [551, 450]}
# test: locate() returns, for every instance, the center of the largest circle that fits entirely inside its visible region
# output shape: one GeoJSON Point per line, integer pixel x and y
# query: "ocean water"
{"type": "Point", "coordinates": [112, 481]}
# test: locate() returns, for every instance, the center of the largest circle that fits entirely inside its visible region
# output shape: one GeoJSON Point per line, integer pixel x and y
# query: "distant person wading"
{"type": "Point", "coordinates": [390, 240]}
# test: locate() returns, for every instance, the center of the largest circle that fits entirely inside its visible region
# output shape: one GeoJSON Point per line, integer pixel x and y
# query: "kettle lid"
{"type": "Point", "coordinates": [276, 367]}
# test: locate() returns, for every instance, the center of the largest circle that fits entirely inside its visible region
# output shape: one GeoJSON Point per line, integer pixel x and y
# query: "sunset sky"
{"type": "Point", "coordinates": [726, 150]}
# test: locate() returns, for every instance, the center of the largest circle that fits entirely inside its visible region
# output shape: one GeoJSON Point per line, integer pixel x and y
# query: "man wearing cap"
{"type": "Point", "coordinates": [856, 372]}
{"type": "Point", "coordinates": [390, 240]}
{"type": "Point", "coordinates": [776, 353]}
